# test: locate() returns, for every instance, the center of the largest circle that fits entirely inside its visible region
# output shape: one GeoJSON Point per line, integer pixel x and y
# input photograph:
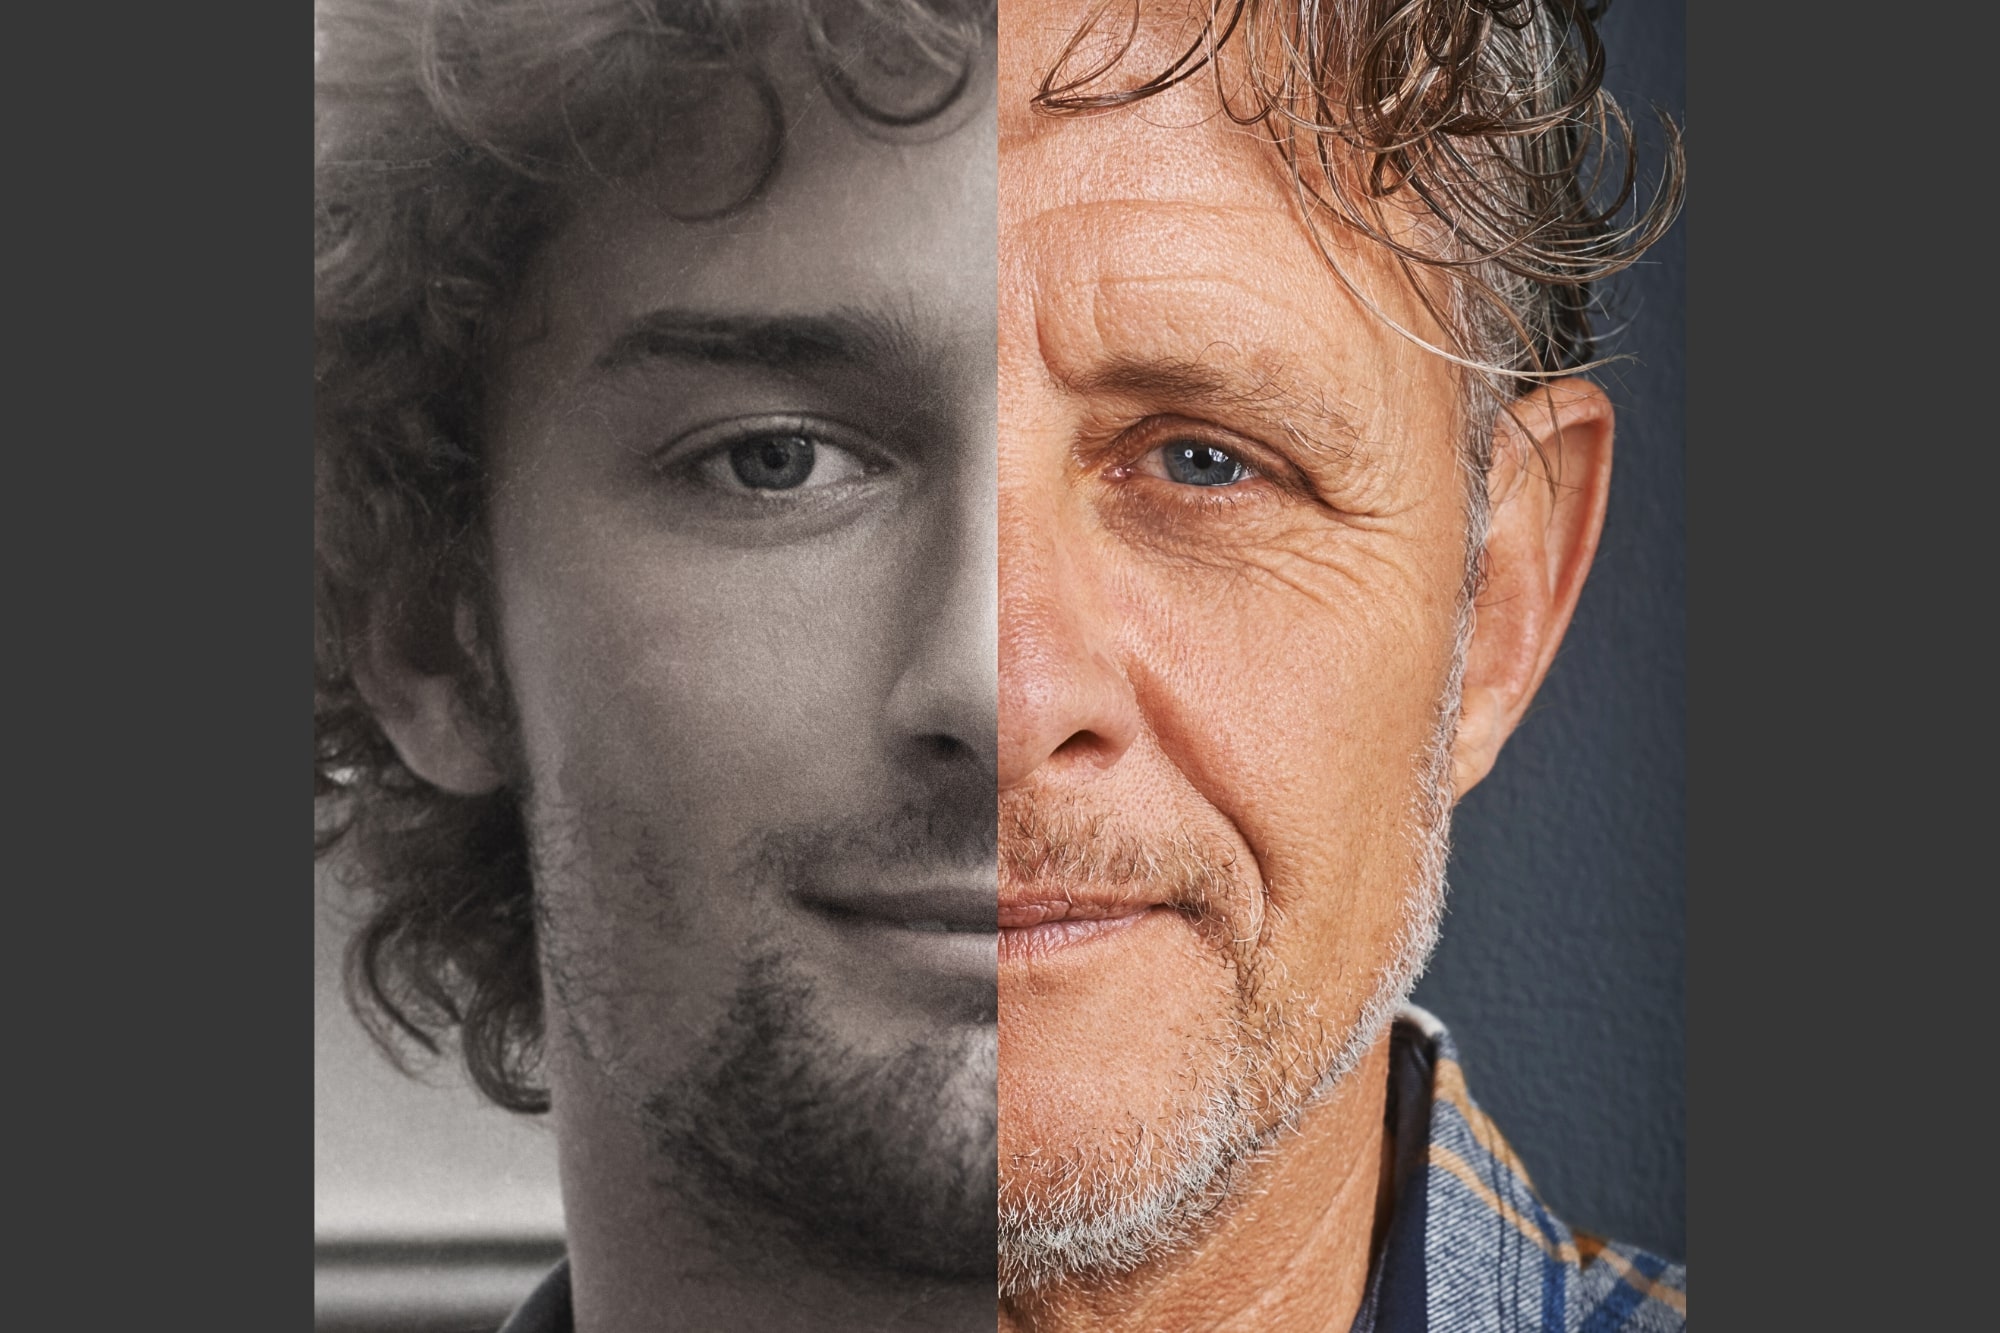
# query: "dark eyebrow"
{"type": "Point", "coordinates": [774, 342]}
{"type": "Point", "coordinates": [1194, 386]}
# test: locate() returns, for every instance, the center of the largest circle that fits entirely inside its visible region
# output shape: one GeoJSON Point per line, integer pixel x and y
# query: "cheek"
{"type": "Point", "coordinates": [675, 701]}
{"type": "Point", "coordinates": [1297, 693]}
{"type": "Point", "coordinates": [708, 685]}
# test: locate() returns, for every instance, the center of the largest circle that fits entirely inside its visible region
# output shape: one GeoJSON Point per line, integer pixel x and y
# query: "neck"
{"type": "Point", "coordinates": [1290, 1250]}
{"type": "Point", "coordinates": [642, 1261]}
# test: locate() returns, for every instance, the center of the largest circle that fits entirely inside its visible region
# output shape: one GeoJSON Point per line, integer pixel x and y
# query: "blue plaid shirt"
{"type": "Point", "coordinates": [1470, 1249]}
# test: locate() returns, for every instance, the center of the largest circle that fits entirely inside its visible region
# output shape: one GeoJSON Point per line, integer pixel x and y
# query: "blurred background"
{"type": "Point", "coordinates": [1562, 972]}
{"type": "Point", "coordinates": [433, 1212]}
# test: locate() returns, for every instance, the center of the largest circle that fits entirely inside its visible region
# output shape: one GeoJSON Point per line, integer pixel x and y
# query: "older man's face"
{"type": "Point", "coordinates": [1233, 543]}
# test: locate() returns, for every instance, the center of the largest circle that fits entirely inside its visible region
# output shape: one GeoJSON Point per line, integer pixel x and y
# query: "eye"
{"type": "Point", "coordinates": [1194, 464]}
{"type": "Point", "coordinates": [776, 461]}
{"type": "Point", "coordinates": [773, 463]}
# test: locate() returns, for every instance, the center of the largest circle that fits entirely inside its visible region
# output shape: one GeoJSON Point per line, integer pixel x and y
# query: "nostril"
{"type": "Point", "coordinates": [942, 747]}
{"type": "Point", "coordinates": [1086, 745]}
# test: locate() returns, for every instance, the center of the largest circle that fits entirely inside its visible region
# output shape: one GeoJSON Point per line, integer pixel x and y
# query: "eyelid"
{"type": "Point", "coordinates": [691, 446]}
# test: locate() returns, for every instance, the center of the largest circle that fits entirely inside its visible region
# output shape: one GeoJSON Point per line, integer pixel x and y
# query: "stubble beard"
{"type": "Point", "coordinates": [884, 1163]}
{"type": "Point", "coordinates": [1089, 1217]}
{"type": "Point", "coordinates": [774, 1134]}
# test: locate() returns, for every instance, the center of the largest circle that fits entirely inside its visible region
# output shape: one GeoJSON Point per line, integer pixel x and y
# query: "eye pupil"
{"type": "Point", "coordinates": [773, 462]}
{"type": "Point", "coordinates": [1202, 465]}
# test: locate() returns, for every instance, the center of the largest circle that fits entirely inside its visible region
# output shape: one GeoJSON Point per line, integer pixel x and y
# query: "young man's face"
{"type": "Point", "coordinates": [743, 524]}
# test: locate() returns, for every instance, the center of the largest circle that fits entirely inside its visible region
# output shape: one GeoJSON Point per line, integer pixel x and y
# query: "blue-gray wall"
{"type": "Point", "coordinates": [1562, 971]}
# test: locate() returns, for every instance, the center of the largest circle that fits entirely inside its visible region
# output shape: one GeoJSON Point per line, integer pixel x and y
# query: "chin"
{"type": "Point", "coordinates": [1102, 1194]}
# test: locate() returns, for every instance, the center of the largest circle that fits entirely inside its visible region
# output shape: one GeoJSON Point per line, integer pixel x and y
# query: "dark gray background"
{"type": "Point", "coordinates": [1562, 971]}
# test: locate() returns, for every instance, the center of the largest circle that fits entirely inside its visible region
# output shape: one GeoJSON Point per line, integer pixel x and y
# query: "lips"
{"type": "Point", "coordinates": [1030, 924]}
{"type": "Point", "coordinates": [1036, 926]}
{"type": "Point", "coordinates": [938, 908]}
{"type": "Point", "coordinates": [1022, 913]}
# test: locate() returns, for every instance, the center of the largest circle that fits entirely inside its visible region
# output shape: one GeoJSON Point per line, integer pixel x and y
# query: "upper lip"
{"type": "Point", "coordinates": [1039, 907]}
{"type": "Point", "coordinates": [955, 902]}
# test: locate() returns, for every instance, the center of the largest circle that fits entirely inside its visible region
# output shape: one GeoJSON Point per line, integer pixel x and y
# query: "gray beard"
{"type": "Point", "coordinates": [778, 1133]}
{"type": "Point", "coordinates": [1104, 1218]}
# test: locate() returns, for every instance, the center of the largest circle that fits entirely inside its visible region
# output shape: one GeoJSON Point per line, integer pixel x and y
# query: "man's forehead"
{"type": "Point", "coordinates": [848, 222]}
{"type": "Point", "coordinates": [822, 213]}
{"type": "Point", "coordinates": [1176, 146]}
{"type": "Point", "coordinates": [1169, 189]}
{"type": "Point", "coordinates": [1164, 192]}
{"type": "Point", "coordinates": [1231, 284]}
{"type": "Point", "coordinates": [1144, 276]}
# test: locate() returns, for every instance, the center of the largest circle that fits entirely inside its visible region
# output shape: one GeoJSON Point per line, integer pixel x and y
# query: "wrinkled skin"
{"type": "Point", "coordinates": [1247, 673]}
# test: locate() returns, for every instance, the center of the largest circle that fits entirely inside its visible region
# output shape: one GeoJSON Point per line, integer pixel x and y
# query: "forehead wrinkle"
{"type": "Point", "coordinates": [1182, 282]}
{"type": "Point", "coordinates": [1168, 342]}
{"type": "Point", "coordinates": [1111, 247]}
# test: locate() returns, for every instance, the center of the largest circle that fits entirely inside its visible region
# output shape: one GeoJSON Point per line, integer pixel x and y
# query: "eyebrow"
{"type": "Point", "coordinates": [1193, 386]}
{"type": "Point", "coordinates": [787, 343]}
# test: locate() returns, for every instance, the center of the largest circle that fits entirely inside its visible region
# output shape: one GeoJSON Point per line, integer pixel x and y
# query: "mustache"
{"type": "Point", "coordinates": [1039, 842]}
{"type": "Point", "coordinates": [1054, 846]}
{"type": "Point", "coordinates": [917, 835]}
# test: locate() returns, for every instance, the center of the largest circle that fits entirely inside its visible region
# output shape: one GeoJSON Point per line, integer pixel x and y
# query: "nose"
{"type": "Point", "coordinates": [1064, 700]}
{"type": "Point", "coordinates": [941, 707]}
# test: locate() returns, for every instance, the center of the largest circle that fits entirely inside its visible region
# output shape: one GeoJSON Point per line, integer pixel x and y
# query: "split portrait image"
{"type": "Point", "coordinates": [905, 591]}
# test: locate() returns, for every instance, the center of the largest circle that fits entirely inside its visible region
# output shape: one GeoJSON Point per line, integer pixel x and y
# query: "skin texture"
{"type": "Point", "coordinates": [730, 699]}
{"type": "Point", "coordinates": [1249, 672]}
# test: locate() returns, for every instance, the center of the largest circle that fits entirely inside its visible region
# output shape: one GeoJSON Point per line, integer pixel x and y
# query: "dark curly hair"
{"type": "Point", "coordinates": [451, 138]}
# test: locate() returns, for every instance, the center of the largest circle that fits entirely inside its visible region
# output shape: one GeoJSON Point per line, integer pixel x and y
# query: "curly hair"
{"type": "Point", "coordinates": [451, 140]}
{"type": "Point", "coordinates": [1485, 121]}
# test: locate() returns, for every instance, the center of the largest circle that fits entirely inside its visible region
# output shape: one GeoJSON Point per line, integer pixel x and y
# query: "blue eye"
{"type": "Point", "coordinates": [773, 462]}
{"type": "Point", "coordinates": [1201, 465]}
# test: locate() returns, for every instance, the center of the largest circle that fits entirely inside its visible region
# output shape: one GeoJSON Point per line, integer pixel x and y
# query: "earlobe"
{"type": "Point", "coordinates": [1550, 480]}
{"type": "Point", "coordinates": [424, 715]}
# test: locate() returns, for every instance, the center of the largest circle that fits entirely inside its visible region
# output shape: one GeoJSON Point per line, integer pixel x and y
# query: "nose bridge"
{"type": "Point", "coordinates": [946, 687]}
{"type": "Point", "coordinates": [1063, 697]}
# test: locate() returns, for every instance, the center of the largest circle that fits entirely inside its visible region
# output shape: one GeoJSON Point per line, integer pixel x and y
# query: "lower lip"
{"type": "Point", "coordinates": [893, 944]}
{"type": "Point", "coordinates": [1029, 943]}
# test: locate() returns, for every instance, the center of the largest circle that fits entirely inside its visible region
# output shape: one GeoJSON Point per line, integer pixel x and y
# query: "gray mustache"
{"type": "Point", "coordinates": [1053, 845]}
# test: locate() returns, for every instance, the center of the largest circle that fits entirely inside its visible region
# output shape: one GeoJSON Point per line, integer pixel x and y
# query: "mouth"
{"type": "Point", "coordinates": [1033, 928]}
{"type": "Point", "coordinates": [922, 942]}
{"type": "Point", "coordinates": [1025, 927]}
{"type": "Point", "coordinates": [944, 909]}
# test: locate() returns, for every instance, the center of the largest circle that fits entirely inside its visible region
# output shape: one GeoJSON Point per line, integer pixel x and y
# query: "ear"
{"type": "Point", "coordinates": [423, 714]}
{"type": "Point", "coordinates": [1550, 480]}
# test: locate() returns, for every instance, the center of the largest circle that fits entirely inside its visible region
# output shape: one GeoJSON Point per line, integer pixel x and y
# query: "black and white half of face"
{"type": "Point", "coordinates": [743, 532]}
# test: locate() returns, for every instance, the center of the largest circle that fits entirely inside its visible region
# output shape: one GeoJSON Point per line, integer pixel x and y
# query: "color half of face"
{"type": "Point", "coordinates": [1233, 543]}
{"type": "Point", "coordinates": [743, 532]}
